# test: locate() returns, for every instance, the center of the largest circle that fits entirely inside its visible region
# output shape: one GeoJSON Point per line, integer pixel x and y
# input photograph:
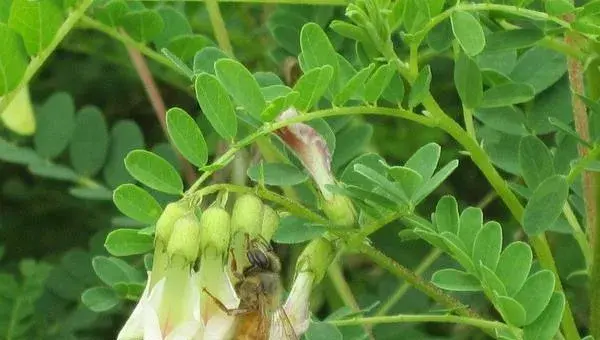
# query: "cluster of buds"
{"type": "Point", "coordinates": [192, 290]}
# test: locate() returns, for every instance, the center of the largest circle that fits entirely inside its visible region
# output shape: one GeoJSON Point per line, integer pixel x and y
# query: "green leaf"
{"type": "Point", "coordinates": [181, 66]}
{"type": "Point", "coordinates": [273, 92]}
{"type": "Point", "coordinates": [36, 21]}
{"type": "Point", "coordinates": [153, 171]}
{"type": "Point", "coordinates": [446, 215]}
{"type": "Point", "coordinates": [394, 92]}
{"type": "Point", "coordinates": [99, 193]}
{"type": "Point", "coordinates": [420, 88]}
{"type": "Point", "coordinates": [322, 331]}
{"type": "Point", "coordinates": [15, 154]}
{"type": "Point", "coordinates": [351, 142]}
{"type": "Point", "coordinates": [514, 265]}
{"type": "Point", "coordinates": [467, 79]}
{"type": "Point", "coordinates": [317, 51]}
{"type": "Point", "coordinates": [311, 87]}
{"type": "Point", "coordinates": [440, 37]}
{"type": "Point", "coordinates": [378, 82]}
{"type": "Point", "coordinates": [276, 174]}
{"type": "Point", "coordinates": [48, 169]}
{"type": "Point", "coordinates": [125, 242]}
{"type": "Point", "coordinates": [455, 280]}
{"type": "Point", "coordinates": [112, 270]}
{"type": "Point", "coordinates": [490, 281]}
{"type": "Point", "coordinates": [241, 85]}
{"type": "Point", "coordinates": [507, 94]}
{"type": "Point", "coordinates": [554, 102]}
{"type": "Point", "coordinates": [510, 40]}
{"type": "Point", "coordinates": [547, 324]}
{"type": "Point", "coordinates": [458, 251]}
{"type": "Point", "coordinates": [186, 136]}
{"type": "Point", "coordinates": [409, 179]}
{"type": "Point", "coordinates": [425, 160]}
{"type": "Point", "coordinates": [186, 46]}
{"type": "Point", "coordinates": [470, 223]}
{"type": "Point", "coordinates": [512, 311]}
{"type": "Point", "coordinates": [137, 203]}
{"type": "Point", "coordinates": [294, 230]}
{"type": "Point", "coordinates": [216, 105]}
{"type": "Point", "coordinates": [99, 299]}
{"type": "Point", "coordinates": [558, 7]}
{"type": "Point", "coordinates": [13, 60]}
{"type": "Point", "coordinates": [89, 143]}
{"type": "Point", "coordinates": [177, 25]}
{"type": "Point", "coordinates": [143, 25]}
{"type": "Point", "coordinates": [55, 125]}
{"type": "Point", "coordinates": [111, 12]}
{"type": "Point", "coordinates": [205, 59]}
{"type": "Point", "coordinates": [507, 119]}
{"type": "Point", "coordinates": [278, 105]}
{"type": "Point", "coordinates": [545, 205]}
{"type": "Point", "coordinates": [382, 182]}
{"type": "Point", "coordinates": [124, 137]}
{"type": "Point", "coordinates": [435, 181]}
{"type": "Point", "coordinates": [468, 32]}
{"type": "Point", "coordinates": [540, 68]}
{"type": "Point", "coordinates": [353, 85]}
{"type": "Point", "coordinates": [487, 246]}
{"type": "Point", "coordinates": [536, 293]}
{"type": "Point", "coordinates": [535, 161]}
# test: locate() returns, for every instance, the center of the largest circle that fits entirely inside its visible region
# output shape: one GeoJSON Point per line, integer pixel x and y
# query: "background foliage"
{"type": "Point", "coordinates": [66, 133]}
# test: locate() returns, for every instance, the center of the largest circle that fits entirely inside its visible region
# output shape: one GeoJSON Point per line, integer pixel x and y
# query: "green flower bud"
{"type": "Point", "coordinates": [166, 221]}
{"type": "Point", "coordinates": [316, 258]}
{"type": "Point", "coordinates": [247, 215]}
{"type": "Point", "coordinates": [185, 238]}
{"type": "Point", "coordinates": [270, 222]}
{"type": "Point", "coordinates": [340, 211]}
{"type": "Point", "coordinates": [215, 225]}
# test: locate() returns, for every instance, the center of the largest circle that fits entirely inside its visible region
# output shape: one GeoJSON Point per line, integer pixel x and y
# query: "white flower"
{"type": "Point", "coordinates": [168, 311]}
{"type": "Point", "coordinates": [297, 305]}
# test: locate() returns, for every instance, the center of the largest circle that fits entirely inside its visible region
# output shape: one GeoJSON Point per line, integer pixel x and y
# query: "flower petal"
{"type": "Point", "coordinates": [311, 149]}
{"type": "Point", "coordinates": [214, 278]}
{"type": "Point", "coordinates": [298, 302]}
{"type": "Point", "coordinates": [219, 326]}
{"type": "Point", "coordinates": [134, 326]}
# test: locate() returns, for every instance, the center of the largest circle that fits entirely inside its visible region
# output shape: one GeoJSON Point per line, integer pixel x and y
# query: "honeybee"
{"type": "Point", "coordinates": [260, 315]}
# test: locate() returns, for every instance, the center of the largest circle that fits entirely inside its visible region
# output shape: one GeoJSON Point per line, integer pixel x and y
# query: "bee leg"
{"type": "Point", "coordinates": [230, 312]}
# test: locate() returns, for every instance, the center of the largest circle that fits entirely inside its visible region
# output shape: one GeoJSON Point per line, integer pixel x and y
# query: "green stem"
{"type": "Point", "coordinates": [424, 286]}
{"type": "Point", "coordinates": [218, 25]}
{"type": "Point", "coordinates": [38, 61]}
{"type": "Point", "coordinates": [269, 128]}
{"type": "Point", "coordinates": [486, 325]}
{"type": "Point", "coordinates": [433, 255]}
{"type": "Point", "coordinates": [469, 126]}
{"type": "Point", "coordinates": [128, 41]}
{"type": "Point", "coordinates": [578, 234]}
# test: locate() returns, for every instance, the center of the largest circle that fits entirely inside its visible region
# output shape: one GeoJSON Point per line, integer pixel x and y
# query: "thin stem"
{"type": "Point", "coordinates": [578, 234]}
{"type": "Point", "coordinates": [433, 255]}
{"type": "Point", "coordinates": [269, 128]}
{"type": "Point", "coordinates": [128, 41]}
{"type": "Point", "coordinates": [424, 286]}
{"type": "Point", "coordinates": [158, 104]}
{"type": "Point", "coordinates": [38, 61]}
{"type": "Point", "coordinates": [487, 325]}
{"type": "Point", "coordinates": [335, 274]}
{"type": "Point", "coordinates": [582, 164]}
{"type": "Point", "coordinates": [218, 25]}
{"type": "Point", "coordinates": [469, 125]}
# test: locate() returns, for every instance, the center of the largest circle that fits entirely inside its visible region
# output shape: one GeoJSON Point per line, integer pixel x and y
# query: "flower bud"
{"type": "Point", "coordinates": [166, 221]}
{"type": "Point", "coordinates": [316, 258]}
{"type": "Point", "coordinates": [247, 215]}
{"type": "Point", "coordinates": [270, 222]}
{"type": "Point", "coordinates": [215, 225]}
{"type": "Point", "coordinates": [340, 211]}
{"type": "Point", "coordinates": [184, 238]}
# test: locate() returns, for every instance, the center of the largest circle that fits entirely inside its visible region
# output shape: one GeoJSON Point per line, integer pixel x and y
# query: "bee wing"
{"type": "Point", "coordinates": [281, 327]}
